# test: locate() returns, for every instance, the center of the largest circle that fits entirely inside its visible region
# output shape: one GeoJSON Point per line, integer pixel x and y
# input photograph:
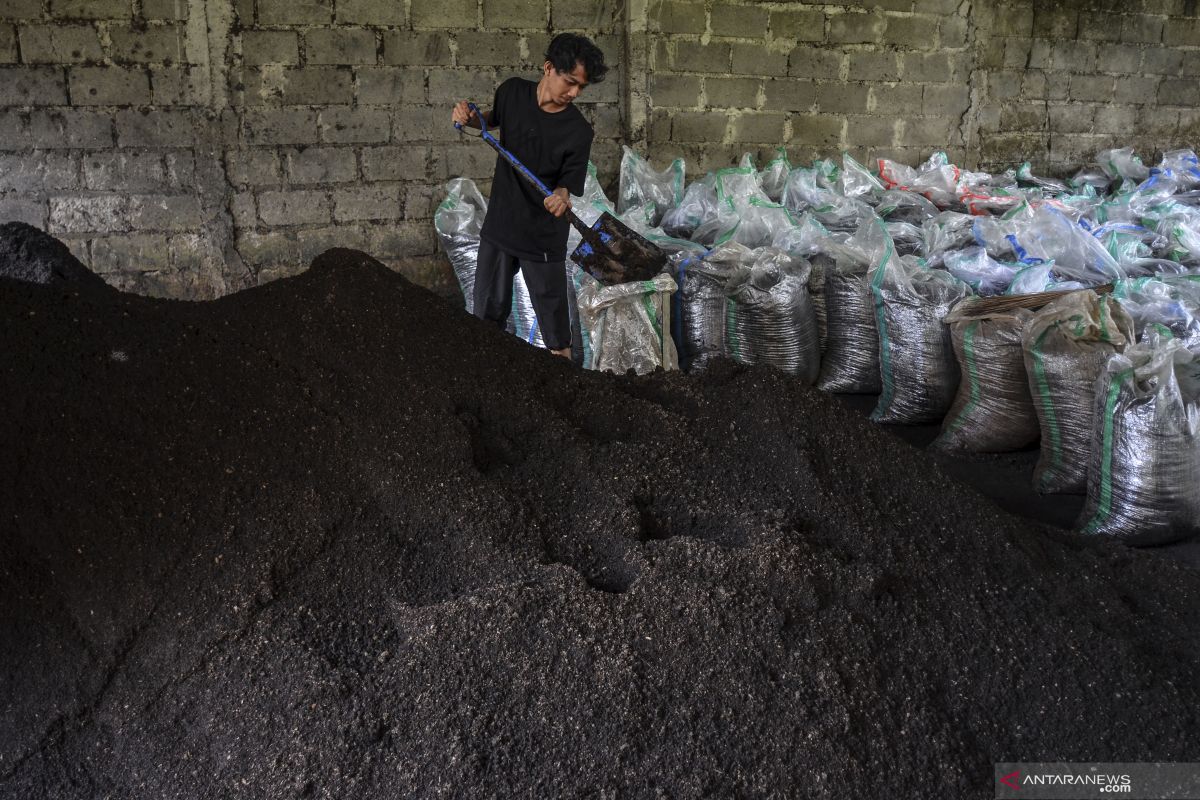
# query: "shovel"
{"type": "Point", "coordinates": [611, 251]}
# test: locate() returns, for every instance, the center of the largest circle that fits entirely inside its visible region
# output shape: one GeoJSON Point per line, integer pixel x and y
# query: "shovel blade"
{"type": "Point", "coordinates": [618, 254]}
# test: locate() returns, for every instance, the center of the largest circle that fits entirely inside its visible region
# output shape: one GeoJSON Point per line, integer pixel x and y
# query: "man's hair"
{"type": "Point", "coordinates": [568, 49]}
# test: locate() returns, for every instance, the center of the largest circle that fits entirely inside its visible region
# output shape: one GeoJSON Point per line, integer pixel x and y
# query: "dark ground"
{"type": "Point", "coordinates": [331, 538]}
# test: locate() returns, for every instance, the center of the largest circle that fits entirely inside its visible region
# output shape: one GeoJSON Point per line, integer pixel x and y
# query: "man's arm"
{"type": "Point", "coordinates": [463, 116]}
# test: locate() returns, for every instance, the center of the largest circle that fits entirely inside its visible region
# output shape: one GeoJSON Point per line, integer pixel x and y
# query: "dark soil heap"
{"type": "Point", "coordinates": [331, 538]}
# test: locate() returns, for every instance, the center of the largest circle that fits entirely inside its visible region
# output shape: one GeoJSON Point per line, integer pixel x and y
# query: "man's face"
{"type": "Point", "coordinates": [564, 87]}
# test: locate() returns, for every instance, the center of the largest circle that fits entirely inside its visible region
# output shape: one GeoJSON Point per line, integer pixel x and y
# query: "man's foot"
{"type": "Point", "coordinates": [565, 353]}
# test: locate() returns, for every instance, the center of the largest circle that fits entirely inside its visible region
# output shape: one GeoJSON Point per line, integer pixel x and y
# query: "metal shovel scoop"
{"type": "Point", "coordinates": [611, 252]}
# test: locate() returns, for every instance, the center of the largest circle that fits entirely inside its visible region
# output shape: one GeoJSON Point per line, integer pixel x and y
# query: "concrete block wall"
{"type": "Point", "coordinates": [190, 148]}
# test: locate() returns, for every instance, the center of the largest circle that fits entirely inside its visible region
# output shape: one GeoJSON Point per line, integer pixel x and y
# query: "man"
{"type": "Point", "coordinates": [538, 124]}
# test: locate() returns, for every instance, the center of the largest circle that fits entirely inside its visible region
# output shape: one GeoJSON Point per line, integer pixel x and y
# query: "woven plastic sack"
{"type": "Point", "coordinates": [821, 266]}
{"type": "Point", "coordinates": [458, 220]}
{"type": "Point", "coordinates": [851, 361]}
{"type": "Point", "coordinates": [641, 186]}
{"type": "Point", "coordinates": [916, 358]}
{"type": "Point", "coordinates": [624, 324]}
{"type": "Point", "coordinates": [1144, 471]}
{"type": "Point", "coordinates": [1066, 345]}
{"type": "Point", "coordinates": [769, 317]}
{"type": "Point", "coordinates": [702, 303]}
{"type": "Point", "coordinates": [993, 410]}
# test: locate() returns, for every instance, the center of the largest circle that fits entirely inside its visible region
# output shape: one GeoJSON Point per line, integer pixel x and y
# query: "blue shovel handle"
{"type": "Point", "coordinates": [509, 157]}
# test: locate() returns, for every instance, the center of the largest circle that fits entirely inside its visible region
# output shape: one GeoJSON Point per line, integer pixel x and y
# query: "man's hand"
{"type": "Point", "coordinates": [558, 202]}
{"type": "Point", "coordinates": [464, 116]}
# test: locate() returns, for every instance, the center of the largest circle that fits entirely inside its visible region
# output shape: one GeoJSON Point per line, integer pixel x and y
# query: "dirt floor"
{"type": "Point", "coordinates": [332, 538]}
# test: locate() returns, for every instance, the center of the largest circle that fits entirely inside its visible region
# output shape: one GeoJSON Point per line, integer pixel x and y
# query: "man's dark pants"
{"type": "Point", "coordinates": [547, 283]}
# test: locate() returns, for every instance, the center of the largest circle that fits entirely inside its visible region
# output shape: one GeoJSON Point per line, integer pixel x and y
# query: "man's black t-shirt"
{"type": "Point", "coordinates": [556, 148]}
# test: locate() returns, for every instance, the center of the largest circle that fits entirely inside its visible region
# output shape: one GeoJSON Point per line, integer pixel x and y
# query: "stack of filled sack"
{"type": "Point", "coordinates": [1012, 308]}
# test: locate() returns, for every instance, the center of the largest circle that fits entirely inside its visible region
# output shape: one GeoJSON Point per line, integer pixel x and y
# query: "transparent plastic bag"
{"type": "Point", "coordinates": [1043, 233]}
{"type": "Point", "coordinates": [1052, 186]}
{"type": "Point", "coordinates": [907, 237]}
{"type": "Point", "coordinates": [992, 410]}
{"type": "Point", "coordinates": [702, 304]}
{"type": "Point", "coordinates": [851, 362]}
{"type": "Point", "coordinates": [640, 186]}
{"type": "Point", "coordinates": [898, 205]}
{"type": "Point", "coordinates": [458, 220]}
{"type": "Point", "coordinates": [974, 267]}
{"type": "Point", "coordinates": [626, 324]}
{"type": "Point", "coordinates": [802, 240]}
{"type": "Point", "coordinates": [1066, 346]}
{"type": "Point", "coordinates": [1169, 302]}
{"type": "Point", "coordinates": [1144, 466]}
{"type": "Point", "coordinates": [698, 205]}
{"type": "Point", "coordinates": [916, 357]}
{"type": "Point", "coordinates": [1038, 278]}
{"type": "Point", "coordinates": [948, 231]}
{"type": "Point", "coordinates": [806, 191]}
{"type": "Point", "coordinates": [857, 181]}
{"type": "Point", "coordinates": [773, 176]}
{"type": "Point", "coordinates": [770, 318]}
{"type": "Point", "coordinates": [1122, 163]}
{"type": "Point", "coordinates": [1185, 165]}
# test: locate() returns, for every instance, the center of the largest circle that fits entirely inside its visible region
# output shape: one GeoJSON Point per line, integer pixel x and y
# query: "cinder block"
{"type": "Point", "coordinates": [606, 121]}
{"type": "Point", "coordinates": [252, 167]}
{"type": "Point", "coordinates": [871, 131]}
{"type": "Point", "coordinates": [800, 26]}
{"type": "Point", "coordinates": [21, 9]}
{"type": "Point", "coordinates": [91, 9]}
{"type": "Point", "coordinates": [1003, 85]}
{"type": "Point", "coordinates": [842, 98]}
{"type": "Point", "coordinates": [346, 125]}
{"type": "Point", "coordinates": [421, 202]}
{"type": "Point", "coordinates": [696, 57]}
{"type": "Point", "coordinates": [682, 91]}
{"type": "Point", "coordinates": [1014, 21]}
{"type": "Point", "coordinates": [472, 159]}
{"type": "Point", "coordinates": [1191, 63]}
{"type": "Point", "coordinates": [1177, 92]}
{"type": "Point", "coordinates": [745, 22]}
{"type": "Point", "coordinates": [171, 10]}
{"type": "Point", "coordinates": [754, 59]}
{"type": "Point", "coordinates": [270, 47]}
{"type": "Point", "coordinates": [244, 210]}
{"type": "Point", "coordinates": [1071, 118]}
{"type": "Point", "coordinates": [1033, 85]}
{"type": "Point", "coordinates": [158, 129]}
{"type": "Point", "coordinates": [295, 12]}
{"type": "Point", "coordinates": [299, 86]}
{"type": "Point", "coordinates": [448, 86]}
{"type": "Point", "coordinates": [38, 172]}
{"type": "Point", "coordinates": [320, 165]}
{"type": "Point", "coordinates": [1055, 21]}
{"type": "Point", "coordinates": [280, 126]}
{"type": "Point", "coordinates": [1099, 28]}
{"type": "Point", "coordinates": [145, 45]}
{"type": "Point", "coordinates": [816, 63]}
{"type": "Point", "coordinates": [991, 54]}
{"type": "Point", "coordinates": [926, 67]}
{"type": "Point", "coordinates": [109, 86]}
{"type": "Point", "coordinates": [134, 252]}
{"type": "Point", "coordinates": [8, 44]}
{"type": "Point", "coordinates": [163, 212]}
{"type": "Point", "coordinates": [1023, 117]}
{"type": "Point", "coordinates": [19, 208]}
{"type": "Point", "coordinates": [1091, 88]}
{"type": "Point", "coordinates": [123, 171]}
{"type": "Point", "coordinates": [699, 126]}
{"type": "Point", "coordinates": [952, 32]}
{"type": "Point", "coordinates": [1073, 57]}
{"type": "Point", "coordinates": [912, 33]}
{"type": "Point", "coordinates": [896, 99]}
{"type": "Point", "coordinates": [424, 123]}
{"type": "Point", "coordinates": [487, 48]}
{"type": "Point", "coordinates": [940, 100]}
{"type": "Point", "coordinates": [370, 12]}
{"type": "Point", "coordinates": [1182, 33]}
{"type": "Point", "coordinates": [514, 13]}
{"type": "Point", "coordinates": [32, 86]}
{"type": "Point", "coordinates": [1135, 89]}
{"type": "Point", "coordinates": [403, 239]}
{"type": "Point", "coordinates": [1012, 148]}
{"type": "Point", "coordinates": [855, 27]}
{"type": "Point", "coordinates": [416, 48]}
{"type": "Point", "coordinates": [368, 202]}
{"type": "Point", "coordinates": [791, 95]}
{"type": "Point", "coordinates": [181, 169]}
{"type": "Point", "coordinates": [444, 13]}
{"type": "Point", "coordinates": [180, 86]}
{"type": "Point", "coordinates": [293, 208]}
{"type": "Point", "coordinates": [1142, 29]}
{"type": "Point", "coordinates": [272, 250]}
{"type": "Point", "coordinates": [1162, 61]}
{"type": "Point", "coordinates": [1117, 119]}
{"type": "Point", "coordinates": [817, 130]}
{"type": "Point", "coordinates": [926, 131]}
{"type": "Point", "coordinates": [729, 92]}
{"type": "Point", "coordinates": [873, 66]}
{"type": "Point", "coordinates": [390, 85]}
{"type": "Point", "coordinates": [106, 214]}
{"type": "Point", "coordinates": [396, 163]}
{"type": "Point", "coordinates": [60, 44]}
{"type": "Point", "coordinates": [340, 46]}
{"type": "Point", "coordinates": [759, 127]}
{"type": "Point", "coordinates": [1121, 58]}
{"type": "Point", "coordinates": [676, 17]}
{"type": "Point", "coordinates": [658, 126]}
